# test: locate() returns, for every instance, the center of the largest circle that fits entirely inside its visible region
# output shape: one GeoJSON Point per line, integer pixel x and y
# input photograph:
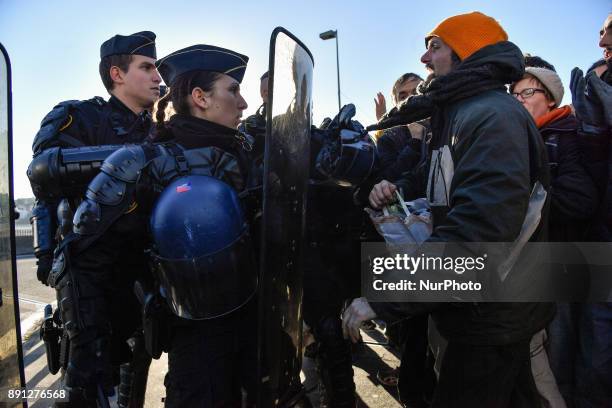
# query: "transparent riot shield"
{"type": "Point", "coordinates": [11, 356]}
{"type": "Point", "coordinates": [284, 207]}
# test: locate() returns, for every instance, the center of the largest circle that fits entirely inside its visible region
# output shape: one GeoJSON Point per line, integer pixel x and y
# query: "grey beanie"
{"type": "Point", "coordinates": [550, 80]}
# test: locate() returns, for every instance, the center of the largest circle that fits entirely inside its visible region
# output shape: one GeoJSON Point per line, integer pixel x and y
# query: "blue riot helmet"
{"type": "Point", "coordinates": [202, 252]}
{"type": "Point", "coordinates": [357, 158]}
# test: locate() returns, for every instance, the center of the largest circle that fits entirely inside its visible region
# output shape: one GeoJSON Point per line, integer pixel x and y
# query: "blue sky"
{"type": "Point", "coordinates": [54, 45]}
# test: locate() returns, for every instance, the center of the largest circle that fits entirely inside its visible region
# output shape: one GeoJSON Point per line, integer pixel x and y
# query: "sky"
{"type": "Point", "coordinates": [54, 45]}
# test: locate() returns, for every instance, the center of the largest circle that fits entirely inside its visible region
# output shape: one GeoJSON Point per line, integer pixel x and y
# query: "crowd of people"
{"type": "Point", "coordinates": [175, 212]}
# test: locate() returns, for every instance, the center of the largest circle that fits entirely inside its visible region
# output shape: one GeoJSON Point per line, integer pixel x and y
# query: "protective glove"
{"type": "Point", "coordinates": [598, 87]}
{"type": "Point", "coordinates": [343, 119]}
{"type": "Point", "coordinates": [90, 367]}
{"type": "Point", "coordinates": [588, 107]}
{"type": "Point", "coordinates": [45, 262]}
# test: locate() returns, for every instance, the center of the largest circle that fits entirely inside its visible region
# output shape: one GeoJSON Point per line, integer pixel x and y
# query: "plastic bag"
{"type": "Point", "coordinates": [403, 223]}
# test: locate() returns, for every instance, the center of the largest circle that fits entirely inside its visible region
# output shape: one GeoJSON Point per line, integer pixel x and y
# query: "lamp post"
{"type": "Point", "coordinates": [328, 35]}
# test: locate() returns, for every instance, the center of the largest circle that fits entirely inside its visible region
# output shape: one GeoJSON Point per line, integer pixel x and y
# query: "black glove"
{"type": "Point", "coordinates": [89, 367]}
{"type": "Point", "coordinates": [598, 87]}
{"type": "Point", "coordinates": [588, 107]}
{"type": "Point", "coordinates": [45, 262]}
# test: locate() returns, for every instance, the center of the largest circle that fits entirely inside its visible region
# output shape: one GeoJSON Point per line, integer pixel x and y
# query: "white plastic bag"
{"type": "Point", "coordinates": [404, 223]}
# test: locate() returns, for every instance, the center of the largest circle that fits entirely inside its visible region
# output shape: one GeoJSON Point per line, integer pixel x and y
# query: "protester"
{"type": "Point", "coordinates": [573, 203]}
{"type": "Point", "coordinates": [497, 160]}
{"type": "Point", "coordinates": [592, 102]}
{"type": "Point", "coordinates": [402, 89]}
{"type": "Point", "coordinates": [400, 148]}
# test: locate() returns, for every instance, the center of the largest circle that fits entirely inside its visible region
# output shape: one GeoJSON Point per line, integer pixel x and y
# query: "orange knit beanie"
{"type": "Point", "coordinates": [467, 33]}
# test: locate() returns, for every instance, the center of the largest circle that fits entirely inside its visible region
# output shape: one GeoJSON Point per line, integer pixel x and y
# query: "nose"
{"type": "Point", "coordinates": [156, 77]}
{"type": "Point", "coordinates": [242, 103]}
{"type": "Point", "coordinates": [426, 58]}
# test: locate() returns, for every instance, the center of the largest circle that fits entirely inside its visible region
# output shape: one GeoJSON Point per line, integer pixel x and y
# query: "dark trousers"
{"type": "Point", "coordinates": [331, 277]}
{"type": "Point", "coordinates": [416, 376]}
{"type": "Point", "coordinates": [486, 377]}
{"type": "Point", "coordinates": [103, 274]}
{"type": "Point", "coordinates": [211, 361]}
{"type": "Point", "coordinates": [580, 353]}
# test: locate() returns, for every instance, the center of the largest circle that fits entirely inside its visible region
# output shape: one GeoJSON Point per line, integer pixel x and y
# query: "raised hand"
{"type": "Point", "coordinates": [588, 107]}
{"type": "Point", "coordinates": [599, 89]}
{"type": "Point", "coordinates": [381, 105]}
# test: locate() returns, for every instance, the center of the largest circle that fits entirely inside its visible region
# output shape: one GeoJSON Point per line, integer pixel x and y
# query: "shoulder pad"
{"type": "Point", "coordinates": [52, 123]}
{"type": "Point", "coordinates": [125, 164]}
{"type": "Point", "coordinates": [61, 117]}
{"type": "Point", "coordinates": [97, 100]}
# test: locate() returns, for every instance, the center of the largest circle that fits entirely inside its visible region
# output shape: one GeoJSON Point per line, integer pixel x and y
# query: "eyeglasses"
{"type": "Point", "coordinates": [527, 93]}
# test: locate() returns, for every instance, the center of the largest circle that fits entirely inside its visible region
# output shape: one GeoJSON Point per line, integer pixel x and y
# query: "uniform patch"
{"type": "Point", "coordinates": [183, 188]}
{"type": "Point", "coordinates": [133, 206]}
{"type": "Point", "coordinates": [67, 124]}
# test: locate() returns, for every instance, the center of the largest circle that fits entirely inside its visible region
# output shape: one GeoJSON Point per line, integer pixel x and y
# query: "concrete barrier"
{"type": "Point", "coordinates": [23, 240]}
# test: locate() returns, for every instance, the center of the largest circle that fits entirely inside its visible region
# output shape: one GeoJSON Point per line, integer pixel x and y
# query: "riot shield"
{"type": "Point", "coordinates": [284, 207]}
{"type": "Point", "coordinates": [11, 355]}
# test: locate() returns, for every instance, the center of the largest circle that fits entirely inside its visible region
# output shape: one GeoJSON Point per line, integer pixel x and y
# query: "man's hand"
{"type": "Point", "coordinates": [358, 312]}
{"type": "Point", "coordinates": [381, 105]}
{"type": "Point", "coordinates": [588, 107]}
{"type": "Point", "coordinates": [382, 194]}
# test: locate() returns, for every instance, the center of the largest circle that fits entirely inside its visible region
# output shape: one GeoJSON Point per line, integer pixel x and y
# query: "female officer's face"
{"type": "Point", "coordinates": [224, 104]}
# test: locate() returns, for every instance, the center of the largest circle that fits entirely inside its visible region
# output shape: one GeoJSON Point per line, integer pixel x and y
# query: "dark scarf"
{"type": "Point", "coordinates": [607, 76]}
{"type": "Point", "coordinates": [462, 82]}
{"type": "Point", "coordinates": [192, 133]}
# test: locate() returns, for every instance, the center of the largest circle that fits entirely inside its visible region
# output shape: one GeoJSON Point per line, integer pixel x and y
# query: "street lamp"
{"type": "Point", "coordinates": [328, 35]}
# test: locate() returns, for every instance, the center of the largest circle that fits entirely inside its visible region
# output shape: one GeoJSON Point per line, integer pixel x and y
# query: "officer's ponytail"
{"type": "Point", "coordinates": [177, 93]}
{"type": "Point", "coordinates": [160, 114]}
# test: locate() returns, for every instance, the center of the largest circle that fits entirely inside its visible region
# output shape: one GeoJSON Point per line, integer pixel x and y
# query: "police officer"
{"type": "Point", "coordinates": [331, 276]}
{"type": "Point", "coordinates": [335, 224]}
{"type": "Point", "coordinates": [255, 124]}
{"type": "Point", "coordinates": [200, 230]}
{"type": "Point", "coordinates": [128, 72]}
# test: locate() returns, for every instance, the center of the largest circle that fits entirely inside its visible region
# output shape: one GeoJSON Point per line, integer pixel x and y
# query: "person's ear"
{"type": "Point", "coordinates": [117, 75]}
{"type": "Point", "coordinates": [551, 104]}
{"type": "Point", "coordinates": [200, 98]}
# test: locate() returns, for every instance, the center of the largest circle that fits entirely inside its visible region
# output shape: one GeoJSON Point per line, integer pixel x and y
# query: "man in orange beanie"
{"type": "Point", "coordinates": [486, 171]}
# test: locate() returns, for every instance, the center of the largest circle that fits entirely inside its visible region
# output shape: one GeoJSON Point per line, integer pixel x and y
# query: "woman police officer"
{"type": "Point", "coordinates": [190, 183]}
{"type": "Point", "coordinates": [198, 220]}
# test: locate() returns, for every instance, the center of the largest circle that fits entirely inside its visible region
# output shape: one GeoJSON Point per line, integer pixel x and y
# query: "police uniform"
{"type": "Point", "coordinates": [207, 276]}
{"type": "Point", "coordinates": [332, 270]}
{"type": "Point", "coordinates": [332, 276]}
{"type": "Point", "coordinates": [90, 123]}
{"type": "Point", "coordinates": [85, 123]}
{"type": "Point", "coordinates": [255, 126]}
